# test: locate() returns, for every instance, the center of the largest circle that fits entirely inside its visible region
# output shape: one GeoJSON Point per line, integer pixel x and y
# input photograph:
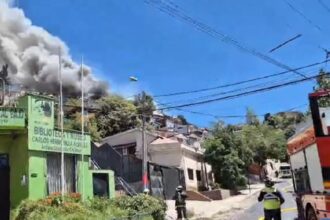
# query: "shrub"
{"type": "Point", "coordinates": [53, 207]}
{"type": "Point", "coordinates": [142, 204]}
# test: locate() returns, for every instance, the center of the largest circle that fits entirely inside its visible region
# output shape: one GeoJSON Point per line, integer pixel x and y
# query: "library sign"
{"type": "Point", "coordinates": [47, 139]}
{"type": "Point", "coordinates": [44, 137]}
{"type": "Point", "coordinates": [12, 118]}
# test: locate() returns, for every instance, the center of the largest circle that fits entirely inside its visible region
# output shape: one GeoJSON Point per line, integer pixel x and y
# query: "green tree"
{"type": "Point", "coordinates": [251, 117]}
{"type": "Point", "coordinates": [323, 82]}
{"type": "Point", "coordinates": [145, 105]}
{"type": "Point", "coordinates": [73, 119]}
{"type": "Point", "coordinates": [182, 120]}
{"type": "Point", "coordinates": [222, 153]}
{"type": "Point", "coordinates": [264, 141]}
{"type": "Point", "coordinates": [115, 115]}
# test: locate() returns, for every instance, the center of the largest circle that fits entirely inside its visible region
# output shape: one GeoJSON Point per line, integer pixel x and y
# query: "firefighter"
{"type": "Point", "coordinates": [180, 202]}
{"type": "Point", "coordinates": [272, 199]}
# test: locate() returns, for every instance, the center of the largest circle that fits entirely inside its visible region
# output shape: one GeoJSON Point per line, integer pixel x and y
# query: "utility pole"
{"type": "Point", "coordinates": [144, 146]}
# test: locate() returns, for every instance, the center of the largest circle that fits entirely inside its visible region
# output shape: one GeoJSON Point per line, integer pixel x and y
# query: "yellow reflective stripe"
{"type": "Point", "coordinates": [272, 204]}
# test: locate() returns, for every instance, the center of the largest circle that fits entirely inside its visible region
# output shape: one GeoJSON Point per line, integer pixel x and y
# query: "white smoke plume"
{"type": "Point", "coordinates": [32, 56]}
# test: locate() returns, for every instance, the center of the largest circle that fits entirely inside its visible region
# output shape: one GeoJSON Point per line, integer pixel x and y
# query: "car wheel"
{"type": "Point", "coordinates": [311, 214]}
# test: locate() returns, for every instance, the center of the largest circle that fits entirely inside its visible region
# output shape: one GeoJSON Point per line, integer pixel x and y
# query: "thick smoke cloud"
{"type": "Point", "coordinates": [32, 56]}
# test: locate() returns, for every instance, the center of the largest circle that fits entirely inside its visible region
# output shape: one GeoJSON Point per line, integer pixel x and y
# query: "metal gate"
{"type": "Point", "coordinates": [54, 173]}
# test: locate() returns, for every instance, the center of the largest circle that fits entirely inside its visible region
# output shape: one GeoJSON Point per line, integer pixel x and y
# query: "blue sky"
{"type": "Point", "coordinates": [122, 38]}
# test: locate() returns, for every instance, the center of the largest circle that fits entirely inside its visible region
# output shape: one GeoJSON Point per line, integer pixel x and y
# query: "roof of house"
{"type": "Point", "coordinates": [127, 132]}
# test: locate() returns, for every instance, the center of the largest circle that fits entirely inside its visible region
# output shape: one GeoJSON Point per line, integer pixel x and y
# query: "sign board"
{"type": "Point", "coordinates": [41, 112]}
{"type": "Point", "coordinates": [12, 118]}
{"type": "Point", "coordinates": [41, 138]}
{"type": "Point", "coordinates": [44, 137]}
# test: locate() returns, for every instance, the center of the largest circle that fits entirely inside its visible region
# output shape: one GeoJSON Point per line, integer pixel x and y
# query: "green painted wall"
{"type": "Point", "coordinates": [32, 165]}
{"type": "Point", "coordinates": [37, 175]}
{"type": "Point", "coordinates": [15, 145]}
{"type": "Point", "coordinates": [85, 181]}
{"type": "Point", "coordinates": [111, 180]}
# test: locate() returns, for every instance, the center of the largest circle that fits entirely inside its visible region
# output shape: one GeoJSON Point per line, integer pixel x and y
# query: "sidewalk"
{"type": "Point", "coordinates": [206, 210]}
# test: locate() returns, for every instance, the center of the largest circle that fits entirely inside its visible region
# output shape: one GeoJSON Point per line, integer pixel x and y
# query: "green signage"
{"type": "Point", "coordinates": [12, 118]}
{"type": "Point", "coordinates": [41, 112]}
{"type": "Point", "coordinates": [43, 136]}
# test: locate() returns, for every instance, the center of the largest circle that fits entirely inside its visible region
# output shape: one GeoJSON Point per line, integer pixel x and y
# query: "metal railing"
{"type": "Point", "coordinates": [128, 189]}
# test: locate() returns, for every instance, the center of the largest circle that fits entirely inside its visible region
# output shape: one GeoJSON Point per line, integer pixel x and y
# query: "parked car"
{"type": "Point", "coordinates": [285, 170]}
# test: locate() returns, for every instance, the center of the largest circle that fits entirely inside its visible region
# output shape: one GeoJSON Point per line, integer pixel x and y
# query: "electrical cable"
{"type": "Point", "coordinates": [239, 82]}
{"type": "Point", "coordinates": [176, 13]}
{"type": "Point", "coordinates": [245, 93]}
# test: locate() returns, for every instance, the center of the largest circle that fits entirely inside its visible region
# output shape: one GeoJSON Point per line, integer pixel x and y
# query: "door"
{"type": "Point", "coordinates": [54, 173]}
{"type": "Point", "coordinates": [4, 187]}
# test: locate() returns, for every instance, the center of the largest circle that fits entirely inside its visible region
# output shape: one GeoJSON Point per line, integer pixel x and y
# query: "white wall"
{"type": "Point", "coordinates": [190, 160]}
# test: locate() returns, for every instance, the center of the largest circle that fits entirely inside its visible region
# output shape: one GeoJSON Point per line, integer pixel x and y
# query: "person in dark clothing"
{"type": "Point", "coordinates": [180, 202]}
{"type": "Point", "coordinates": [273, 200]}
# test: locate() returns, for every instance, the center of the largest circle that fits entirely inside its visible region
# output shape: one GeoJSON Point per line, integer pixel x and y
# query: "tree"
{"type": "Point", "coordinates": [183, 120]}
{"type": "Point", "coordinates": [323, 82]}
{"type": "Point", "coordinates": [145, 105]}
{"type": "Point", "coordinates": [73, 119]}
{"type": "Point", "coordinates": [264, 141]}
{"type": "Point", "coordinates": [115, 115]}
{"type": "Point", "coordinates": [222, 153]}
{"type": "Point", "coordinates": [251, 117]}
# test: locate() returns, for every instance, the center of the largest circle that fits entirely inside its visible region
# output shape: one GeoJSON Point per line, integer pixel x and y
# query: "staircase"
{"type": "Point", "coordinates": [125, 186]}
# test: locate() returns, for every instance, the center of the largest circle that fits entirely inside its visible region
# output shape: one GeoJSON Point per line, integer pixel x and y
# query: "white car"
{"type": "Point", "coordinates": [285, 170]}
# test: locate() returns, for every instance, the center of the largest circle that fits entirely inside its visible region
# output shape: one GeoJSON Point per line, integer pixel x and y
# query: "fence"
{"type": "Point", "coordinates": [164, 180]}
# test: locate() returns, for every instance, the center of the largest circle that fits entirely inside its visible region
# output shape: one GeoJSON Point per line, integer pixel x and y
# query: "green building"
{"type": "Point", "coordinates": [30, 156]}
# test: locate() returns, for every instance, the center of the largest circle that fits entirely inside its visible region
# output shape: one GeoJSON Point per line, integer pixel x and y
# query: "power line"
{"type": "Point", "coordinates": [235, 90]}
{"type": "Point", "coordinates": [286, 42]}
{"type": "Point", "coordinates": [324, 6]}
{"type": "Point", "coordinates": [239, 82]}
{"type": "Point", "coordinates": [244, 93]}
{"type": "Point", "coordinates": [301, 14]}
{"type": "Point", "coordinates": [178, 14]}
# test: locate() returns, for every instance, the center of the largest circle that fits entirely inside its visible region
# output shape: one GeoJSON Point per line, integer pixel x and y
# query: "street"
{"type": "Point", "coordinates": [255, 212]}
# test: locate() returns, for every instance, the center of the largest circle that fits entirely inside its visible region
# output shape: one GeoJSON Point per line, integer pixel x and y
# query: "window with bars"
{"type": "Point", "coordinates": [190, 174]}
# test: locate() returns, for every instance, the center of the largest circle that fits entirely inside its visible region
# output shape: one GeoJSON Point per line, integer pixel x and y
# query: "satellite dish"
{"type": "Point", "coordinates": [133, 79]}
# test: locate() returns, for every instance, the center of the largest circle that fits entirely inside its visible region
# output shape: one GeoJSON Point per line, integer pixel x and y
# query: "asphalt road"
{"type": "Point", "coordinates": [255, 212]}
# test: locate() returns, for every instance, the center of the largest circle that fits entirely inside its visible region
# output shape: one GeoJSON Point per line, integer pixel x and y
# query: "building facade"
{"type": "Point", "coordinates": [30, 156]}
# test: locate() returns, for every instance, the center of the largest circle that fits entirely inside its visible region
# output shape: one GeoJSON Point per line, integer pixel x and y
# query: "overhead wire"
{"type": "Point", "coordinates": [239, 82]}
{"type": "Point", "coordinates": [235, 90]}
{"type": "Point", "coordinates": [324, 6]}
{"type": "Point", "coordinates": [301, 14]}
{"type": "Point", "coordinates": [293, 82]}
{"type": "Point", "coordinates": [179, 14]}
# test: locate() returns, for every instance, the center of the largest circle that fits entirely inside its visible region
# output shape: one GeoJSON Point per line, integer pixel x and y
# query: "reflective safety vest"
{"type": "Point", "coordinates": [271, 200]}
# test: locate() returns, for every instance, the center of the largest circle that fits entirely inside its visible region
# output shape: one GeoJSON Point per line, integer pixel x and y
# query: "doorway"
{"type": "Point", "coordinates": [4, 187]}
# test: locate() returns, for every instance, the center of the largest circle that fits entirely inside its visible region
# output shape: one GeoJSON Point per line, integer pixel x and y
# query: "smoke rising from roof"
{"type": "Point", "coordinates": [32, 56]}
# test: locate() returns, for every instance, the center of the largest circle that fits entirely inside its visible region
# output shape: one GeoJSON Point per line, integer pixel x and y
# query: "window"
{"type": "Point", "coordinates": [198, 175]}
{"type": "Point", "coordinates": [191, 174]}
{"type": "Point", "coordinates": [301, 180]}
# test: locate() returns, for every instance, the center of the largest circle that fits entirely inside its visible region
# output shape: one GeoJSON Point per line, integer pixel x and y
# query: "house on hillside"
{"type": "Point", "coordinates": [122, 153]}
{"type": "Point", "coordinates": [178, 152]}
